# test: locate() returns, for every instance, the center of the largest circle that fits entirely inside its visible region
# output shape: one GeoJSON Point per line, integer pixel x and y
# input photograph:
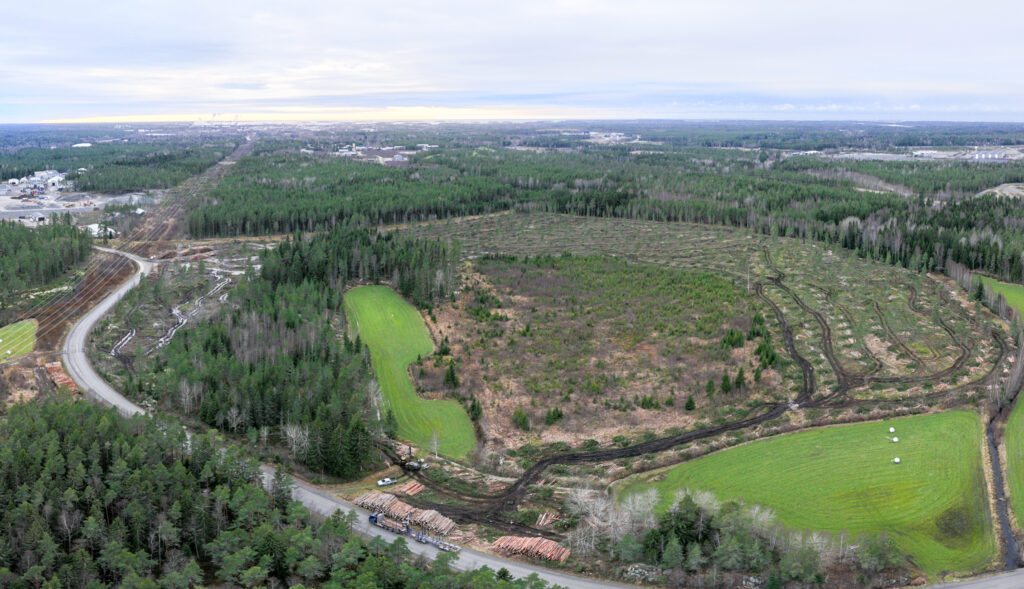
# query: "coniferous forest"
{"type": "Point", "coordinates": [89, 499]}
{"type": "Point", "coordinates": [33, 257]}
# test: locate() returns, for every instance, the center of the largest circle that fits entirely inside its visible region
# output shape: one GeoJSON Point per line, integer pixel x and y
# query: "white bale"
{"type": "Point", "coordinates": [892, 430]}
{"type": "Point", "coordinates": [896, 460]}
{"type": "Point", "coordinates": [895, 440]}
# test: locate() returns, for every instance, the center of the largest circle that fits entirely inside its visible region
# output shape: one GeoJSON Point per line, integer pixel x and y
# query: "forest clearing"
{"type": "Point", "coordinates": [843, 480]}
{"type": "Point", "coordinates": [396, 336]}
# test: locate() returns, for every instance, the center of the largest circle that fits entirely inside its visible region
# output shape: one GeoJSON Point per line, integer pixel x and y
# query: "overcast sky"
{"type": "Point", "coordinates": [372, 59]}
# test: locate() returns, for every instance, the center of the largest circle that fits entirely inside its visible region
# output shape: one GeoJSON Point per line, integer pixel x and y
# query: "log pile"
{"type": "Point", "coordinates": [60, 378]}
{"type": "Point", "coordinates": [410, 488]}
{"type": "Point", "coordinates": [375, 501]}
{"type": "Point", "coordinates": [532, 547]}
{"type": "Point", "coordinates": [389, 505]}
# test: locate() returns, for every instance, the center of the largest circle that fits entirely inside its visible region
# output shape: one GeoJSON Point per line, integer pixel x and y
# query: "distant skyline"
{"type": "Point", "coordinates": [154, 60]}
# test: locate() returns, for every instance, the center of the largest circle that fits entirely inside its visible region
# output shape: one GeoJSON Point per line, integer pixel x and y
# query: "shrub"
{"type": "Point", "coordinates": [649, 402]}
{"type": "Point", "coordinates": [521, 420]}
{"type": "Point", "coordinates": [733, 338]}
{"type": "Point", "coordinates": [554, 415]}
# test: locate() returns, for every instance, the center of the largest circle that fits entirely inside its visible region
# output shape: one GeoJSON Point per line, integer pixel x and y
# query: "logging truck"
{"type": "Point", "coordinates": [402, 528]}
{"type": "Point", "coordinates": [389, 524]}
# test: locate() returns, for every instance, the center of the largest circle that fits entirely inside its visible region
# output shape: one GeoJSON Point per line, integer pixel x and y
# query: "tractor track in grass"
{"type": "Point", "coordinates": [894, 337]}
{"type": "Point", "coordinates": [876, 364]}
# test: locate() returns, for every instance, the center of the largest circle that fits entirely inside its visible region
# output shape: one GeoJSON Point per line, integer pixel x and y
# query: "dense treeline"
{"type": "Point", "coordinates": [424, 271]}
{"type": "Point", "coordinates": [143, 169]}
{"type": "Point", "coordinates": [275, 365]}
{"type": "Point", "coordinates": [93, 500]}
{"type": "Point", "coordinates": [929, 178]}
{"type": "Point", "coordinates": [282, 193]}
{"type": "Point", "coordinates": [32, 257]}
{"type": "Point", "coordinates": [799, 197]}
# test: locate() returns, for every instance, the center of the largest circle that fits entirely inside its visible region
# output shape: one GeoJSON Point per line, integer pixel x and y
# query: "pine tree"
{"type": "Point", "coordinates": [690, 404]}
{"type": "Point", "coordinates": [726, 385]}
{"type": "Point", "coordinates": [390, 424]}
{"type": "Point", "coordinates": [741, 379]}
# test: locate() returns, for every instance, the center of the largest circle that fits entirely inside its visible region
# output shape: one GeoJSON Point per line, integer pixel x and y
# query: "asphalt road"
{"type": "Point", "coordinates": [76, 362]}
{"type": "Point", "coordinates": [1010, 580]}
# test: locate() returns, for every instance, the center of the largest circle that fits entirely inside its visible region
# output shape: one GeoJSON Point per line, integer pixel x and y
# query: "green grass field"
{"type": "Point", "coordinates": [17, 339]}
{"type": "Point", "coordinates": [1013, 293]}
{"type": "Point", "coordinates": [1014, 441]}
{"type": "Point", "coordinates": [396, 335]}
{"type": "Point", "coordinates": [934, 503]}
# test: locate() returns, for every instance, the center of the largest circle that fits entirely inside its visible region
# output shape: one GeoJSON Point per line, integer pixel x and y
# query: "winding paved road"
{"type": "Point", "coordinates": [76, 362]}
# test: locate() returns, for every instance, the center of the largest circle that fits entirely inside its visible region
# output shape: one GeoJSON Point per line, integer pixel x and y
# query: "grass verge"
{"type": "Point", "coordinates": [396, 335]}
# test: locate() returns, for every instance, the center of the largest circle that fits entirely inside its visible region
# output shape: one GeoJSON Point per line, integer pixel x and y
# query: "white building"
{"type": "Point", "coordinates": [97, 231]}
{"type": "Point", "coordinates": [14, 181]}
{"type": "Point", "coordinates": [82, 145]}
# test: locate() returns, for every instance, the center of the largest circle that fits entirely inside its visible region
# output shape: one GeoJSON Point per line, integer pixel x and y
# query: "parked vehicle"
{"type": "Point", "coordinates": [386, 481]}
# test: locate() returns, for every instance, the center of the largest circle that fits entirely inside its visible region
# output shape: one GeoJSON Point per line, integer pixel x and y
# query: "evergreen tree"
{"type": "Point", "coordinates": [673, 557]}
{"type": "Point", "coordinates": [451, 379]}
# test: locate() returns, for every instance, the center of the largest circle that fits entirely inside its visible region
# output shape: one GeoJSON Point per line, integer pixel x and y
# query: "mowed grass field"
{"type": "Point", "coordinates": [1014, 441]}
{"type": "Point", "coordinates": [17, 339]}
{"type": "Point", "coordinates": [396, 335]}
{"type": "Point", "coordinates": [1013, 293]}
{"type": "Point", "coordinates": [934, 503]}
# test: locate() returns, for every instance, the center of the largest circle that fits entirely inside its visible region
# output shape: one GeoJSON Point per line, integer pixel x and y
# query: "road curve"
{"type": "Point", "coordinates": [76, 362]}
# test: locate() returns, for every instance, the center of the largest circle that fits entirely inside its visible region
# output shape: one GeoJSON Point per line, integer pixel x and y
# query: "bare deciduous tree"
{"type": "Point", "coordinates": [297, 437]}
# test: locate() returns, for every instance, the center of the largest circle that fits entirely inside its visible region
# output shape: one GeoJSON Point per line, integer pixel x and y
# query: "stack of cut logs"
{"type": "Point", "coordinates": [532, 547]}
{"type": "Point", "coordinates": [410, 488]}
{"type": "Point", "coordinates": [389, 505]}
{"type": "Point", "coordinates": [60, 378]}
